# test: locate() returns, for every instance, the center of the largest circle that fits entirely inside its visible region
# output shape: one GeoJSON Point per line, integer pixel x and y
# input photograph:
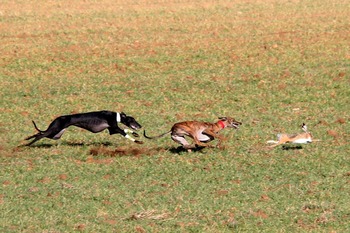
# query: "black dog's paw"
{"type": "Point", "coordinates": [135, 134]}
{"type": "Point", "coordinates": [138, 142]}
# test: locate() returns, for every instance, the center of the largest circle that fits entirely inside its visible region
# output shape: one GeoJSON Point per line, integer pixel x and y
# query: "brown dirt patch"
{"type": "Point", "coordinates": [123, 151]}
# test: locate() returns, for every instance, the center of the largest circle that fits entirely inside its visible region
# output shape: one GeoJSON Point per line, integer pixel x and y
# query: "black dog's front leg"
{"type": "Point", "coordinates": [124, 133]}
{"type": "Point", "coordinates": [132, 132]}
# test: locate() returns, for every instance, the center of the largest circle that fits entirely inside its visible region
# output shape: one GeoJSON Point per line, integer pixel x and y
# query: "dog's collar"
{"type": "Point", "coordinates": [118, 117]}
{"type": "Point", "coordinates": [221, 124]}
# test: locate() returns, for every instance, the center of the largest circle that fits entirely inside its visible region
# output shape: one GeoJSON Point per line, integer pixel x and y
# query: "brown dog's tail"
{"type": "Point", "coordinates": [159, 136]}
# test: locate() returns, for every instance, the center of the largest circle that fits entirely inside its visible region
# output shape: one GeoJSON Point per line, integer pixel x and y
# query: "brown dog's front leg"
{"type": "Point", "coordinates": [199, 143]}
{"type": "Point", "coordinates": [220, 140]}
{"type": "Point", "coordinates": [214, 135]}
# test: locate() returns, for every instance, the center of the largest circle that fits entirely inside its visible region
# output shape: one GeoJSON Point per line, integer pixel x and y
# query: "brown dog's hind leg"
{"type": "Point", "coordinates": [181, 140]}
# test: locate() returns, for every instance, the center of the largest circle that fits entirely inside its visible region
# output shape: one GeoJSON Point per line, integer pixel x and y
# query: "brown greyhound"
{"type": "Point", "coordinates": [201, 132]}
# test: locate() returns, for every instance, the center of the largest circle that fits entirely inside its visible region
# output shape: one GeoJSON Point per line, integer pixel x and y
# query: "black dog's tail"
{"type": "Point", "coordinates": [159, 136]}
{"type": "Point", "coordinates": [40, 131]}
{"type": "Point", "coordinates": [33, 136]}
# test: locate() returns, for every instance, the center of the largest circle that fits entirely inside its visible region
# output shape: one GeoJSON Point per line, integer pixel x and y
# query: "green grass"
{"type": "Point", "coordinates": [270, 64]}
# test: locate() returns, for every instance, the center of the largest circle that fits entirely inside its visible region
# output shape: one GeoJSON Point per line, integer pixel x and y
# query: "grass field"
{"type": "Point", "coordinates": [270, 64]}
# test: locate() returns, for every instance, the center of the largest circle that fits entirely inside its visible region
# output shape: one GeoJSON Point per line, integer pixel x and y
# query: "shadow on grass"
{"type": "Point", "coordinates": [289, 147]}
{"type": "Point", "coordinates": [139, 151]}
{"type": "Point", "coordinates": [104, 148]}
{"type": "Point", "coordinates": [124, 151]}
{"type": "Point", "coordinates": [76, 144]}
{"type": "Point", "coordinates": [42, 145]}
{"type": "Point", "coordinates": [180, 149]}
{"type": "Point", "coordinates": [65, 143]}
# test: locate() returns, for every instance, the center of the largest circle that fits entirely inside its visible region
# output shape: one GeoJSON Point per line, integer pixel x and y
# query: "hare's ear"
{"type": "Point", "coordinates": [222, 118]}
{"type": "Point", "coordinates": [304, 127]}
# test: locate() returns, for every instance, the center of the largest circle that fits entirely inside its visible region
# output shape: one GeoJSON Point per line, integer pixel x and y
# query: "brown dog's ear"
{"type": "Point", "coordinates": [222, 118]}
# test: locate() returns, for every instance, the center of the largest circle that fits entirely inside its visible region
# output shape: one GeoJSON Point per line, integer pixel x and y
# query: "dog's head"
{"type": "Point", "coordinates": [129, 121]}
{"type": "Point", "coordinates": [230, 122]}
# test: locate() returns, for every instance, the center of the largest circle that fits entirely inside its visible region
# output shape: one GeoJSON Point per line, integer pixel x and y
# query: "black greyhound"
{"type": "Point", "coordinates": [94, 122]}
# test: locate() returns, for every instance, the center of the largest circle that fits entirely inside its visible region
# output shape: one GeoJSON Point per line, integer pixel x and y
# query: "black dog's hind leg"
{"type": "Point", "coordinates": [36, 137]}
{"type": "Point", "coordinates": [54, 131]}
{"type": "Point", "coordinates": [50, 133]}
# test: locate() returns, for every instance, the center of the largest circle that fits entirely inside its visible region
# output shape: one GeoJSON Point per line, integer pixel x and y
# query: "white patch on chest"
{"type": "Point", "coordinates": [118, 117]}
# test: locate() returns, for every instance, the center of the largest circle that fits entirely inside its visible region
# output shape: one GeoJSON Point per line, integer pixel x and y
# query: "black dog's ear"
{"type": "Point", "coordinates": [122, 114]}
{"type": "Point", "coordinates": [222, 118]}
